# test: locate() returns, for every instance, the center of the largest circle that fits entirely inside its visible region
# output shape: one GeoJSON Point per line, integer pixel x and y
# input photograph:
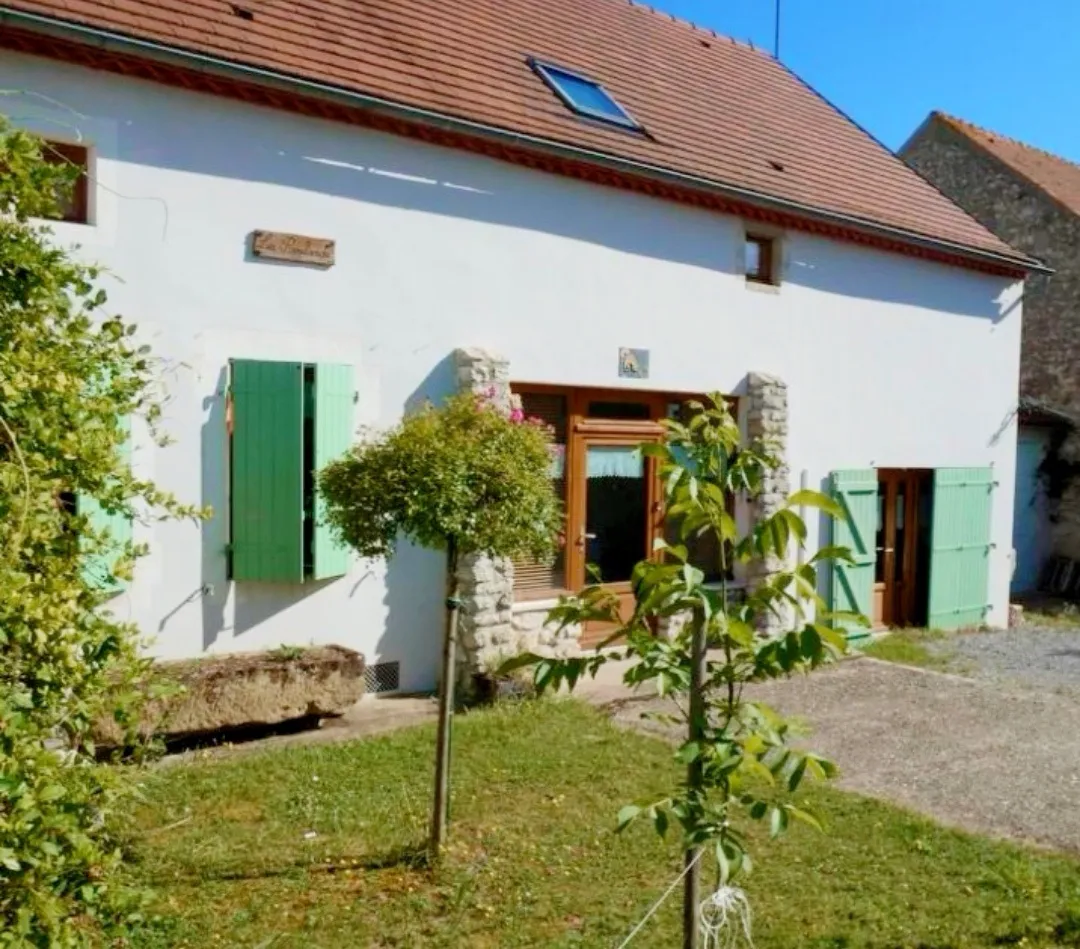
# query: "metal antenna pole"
{"type": "Point", "coordinates": [776, 38]}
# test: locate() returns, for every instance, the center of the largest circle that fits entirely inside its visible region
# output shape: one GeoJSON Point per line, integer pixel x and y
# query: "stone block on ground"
{"type": "Point", "coordinates": [248, 690]}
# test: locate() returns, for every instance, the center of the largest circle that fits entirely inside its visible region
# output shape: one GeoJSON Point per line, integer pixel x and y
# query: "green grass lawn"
{"type": "Point", "coordinates": [909, 647]}
{"type": "Point", "coordinates": [534, 859]}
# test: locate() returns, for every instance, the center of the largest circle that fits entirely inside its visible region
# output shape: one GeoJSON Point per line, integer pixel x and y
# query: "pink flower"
{"type": "Point", "coordinates": [517, 415]}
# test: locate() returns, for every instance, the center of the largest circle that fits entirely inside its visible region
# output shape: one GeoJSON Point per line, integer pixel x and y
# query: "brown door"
{"type": "Point", "coordinates": [895, 585]}
{"type": "Point", "coordinates": [614, 519]}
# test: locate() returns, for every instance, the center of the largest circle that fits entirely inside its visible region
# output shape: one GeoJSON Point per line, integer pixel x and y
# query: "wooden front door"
{"type": "Point", "coordinates": [611, 492]}
{"type": "Point", "coordinates": [898, 594]}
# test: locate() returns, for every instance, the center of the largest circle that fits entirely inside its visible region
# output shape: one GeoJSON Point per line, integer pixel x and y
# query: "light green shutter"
{"type": "Point", "coordinates": [98, 566]}
{"type": "Point", "coordinates": [853, 583]}
{"type": "Point", "coordinates": [267, 494]}
{"type": "Point", "coordinates": [334, 406]}
{"type": "Point", "coordinates": [960, 547]}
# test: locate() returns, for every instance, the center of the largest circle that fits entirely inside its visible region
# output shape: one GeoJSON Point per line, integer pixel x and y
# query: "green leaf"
{"type": "Point", "coordinates": [657, 450]}
{"type": "Point", "coordinates": [518, 662]}
{"type": "Point", "coordinates": [804, 816]}
{"type": "Point", "coordinates": [809, 498]}
{"type": "Point", "coordinates": [660, 821]}
{"type": "Point", "coordinates": [626, 816]}
{"type": "Point", "coordinates": [833, 552]}
{"type": "Point", "coordinates": [826, 768]}
{"type": "Point", "coordinates": [723, 864]}
{"type": "Point", "coordinates": [796, 776]}
{"type": "Point", "coordinates": [690, 751]}
{"type": "Point", "coordinates": [778, 822]}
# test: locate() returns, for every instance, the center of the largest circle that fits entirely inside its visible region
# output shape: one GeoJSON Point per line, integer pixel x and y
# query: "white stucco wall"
{"type": "Point", "coordinates": [890, 361]}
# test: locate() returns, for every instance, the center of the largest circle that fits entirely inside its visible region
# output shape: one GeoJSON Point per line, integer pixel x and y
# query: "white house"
{"type": "Point", "coordinates": [520, 193]}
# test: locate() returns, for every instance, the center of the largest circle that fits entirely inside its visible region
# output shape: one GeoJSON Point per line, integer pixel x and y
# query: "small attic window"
{"type": "Point", "coordinates": [584, 95]}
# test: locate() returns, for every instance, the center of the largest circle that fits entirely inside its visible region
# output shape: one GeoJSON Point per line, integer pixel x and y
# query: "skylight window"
{"type": "Point", "coordinates": [585, 96]}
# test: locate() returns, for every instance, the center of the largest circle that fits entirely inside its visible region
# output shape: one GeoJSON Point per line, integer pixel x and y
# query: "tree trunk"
{"type": "Point", "coordinates": [441, 811]}
{"type": "Point", "coordinates": [694, 778]}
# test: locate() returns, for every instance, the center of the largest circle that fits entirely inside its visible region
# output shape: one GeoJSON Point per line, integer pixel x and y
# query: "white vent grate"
{"type": "Point", "coordinates": [382, 677]}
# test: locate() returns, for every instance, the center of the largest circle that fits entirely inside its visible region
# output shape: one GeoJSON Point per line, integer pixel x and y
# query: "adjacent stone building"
{"type": "Point", "coordinates": [1030, 199]}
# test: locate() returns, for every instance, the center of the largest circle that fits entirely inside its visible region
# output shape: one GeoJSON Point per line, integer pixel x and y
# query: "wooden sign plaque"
{"type": "Point", "coordinates": [275, 245]}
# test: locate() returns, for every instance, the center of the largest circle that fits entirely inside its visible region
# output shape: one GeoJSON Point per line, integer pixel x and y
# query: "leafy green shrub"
{"type": "Point", "coordinates": [70, 374]}
{"type": "Point", "coordinates": [463, 477]}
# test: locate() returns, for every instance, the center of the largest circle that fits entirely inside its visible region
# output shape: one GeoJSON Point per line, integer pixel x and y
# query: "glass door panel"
{"type": "Point", "coordinates": [616, 510]}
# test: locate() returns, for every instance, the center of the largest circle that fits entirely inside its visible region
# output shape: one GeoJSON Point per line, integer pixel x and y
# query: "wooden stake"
{"type": "Point", "coordinates": [441, 811]}
{"type": "Point", "coordinates": [694, 779]}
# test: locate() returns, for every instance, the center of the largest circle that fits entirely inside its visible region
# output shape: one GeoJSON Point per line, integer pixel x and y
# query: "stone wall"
{"type": "Point", "coordinates": [533, 634]}
{"type": "Point", "coordinates": [767, 426]}
{"type": "Point", "coordinates": [1027, 218]}
{"type": "Point", "coordinates": [490, 630]}
{"type": "Point", "coordinates": [485, 584]}
{"type": "Point", "coordinates": [1031, 221]}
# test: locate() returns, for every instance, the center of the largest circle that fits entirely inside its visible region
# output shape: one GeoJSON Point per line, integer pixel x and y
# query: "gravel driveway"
{"type": "Point", "coordinates": [979, 755]}
{"type": "Point", "coordinates": [1042, 657]}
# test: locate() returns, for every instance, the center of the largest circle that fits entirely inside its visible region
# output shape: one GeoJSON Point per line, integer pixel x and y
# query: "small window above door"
{"type": "Point", "coordinates": [760, 259]}
{"type": "Point", "coordinates": [74, 205]}
{"type": "Point", "coordinates": [629, 411]}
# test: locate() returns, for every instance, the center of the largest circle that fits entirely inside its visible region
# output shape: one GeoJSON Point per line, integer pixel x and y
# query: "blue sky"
{"type": "Point", "coordinates": [1009, 65]}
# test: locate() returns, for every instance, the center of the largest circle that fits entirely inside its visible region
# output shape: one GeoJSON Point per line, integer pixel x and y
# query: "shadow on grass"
{"type": "Point", "coordinates": [413, 856]}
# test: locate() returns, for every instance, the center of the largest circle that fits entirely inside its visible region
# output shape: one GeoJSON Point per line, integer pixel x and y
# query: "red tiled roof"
{"type": "Point", "coordinates": [1058, 177]}
{"type": "Point", "coordinates": [713, 109]}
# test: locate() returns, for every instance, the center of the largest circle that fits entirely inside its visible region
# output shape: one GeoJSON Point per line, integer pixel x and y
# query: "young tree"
{"type": "Point", "coordinates": [70, 378]}
{"type": "Point", "coordinates": [737, 754]}
{"type": "Point", "coordinates": [463, 477]}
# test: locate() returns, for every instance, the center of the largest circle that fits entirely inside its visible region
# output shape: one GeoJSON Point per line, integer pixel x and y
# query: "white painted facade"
{"type": "Point", "coordinates": [890, 361]}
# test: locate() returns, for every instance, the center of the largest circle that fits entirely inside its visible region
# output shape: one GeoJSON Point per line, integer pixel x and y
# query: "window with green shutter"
{"type": "Point", "coordinates": [99, 565]}
{"type": "Point", "coordinates": [960, 547]}
{"type": "Point", "coordinates": [287, 420]}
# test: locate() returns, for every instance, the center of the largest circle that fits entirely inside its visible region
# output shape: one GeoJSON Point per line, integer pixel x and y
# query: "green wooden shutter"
{"type": "Point", "coordinates": [960, 547]}
{"type": "Point", "coordinates": [98, 565]}
{"type": "Point", "coordinates": [267, 497]}
{"type": "Point", "coordinates": [853, 584]}
{"type": "Point", "coordinates": [334, 402]}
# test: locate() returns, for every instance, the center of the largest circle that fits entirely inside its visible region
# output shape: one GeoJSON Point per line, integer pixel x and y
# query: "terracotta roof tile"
{"type": "Point", "coordinates": [1058, 177]}
{"type": "Point", "coordinates": [713, 108]}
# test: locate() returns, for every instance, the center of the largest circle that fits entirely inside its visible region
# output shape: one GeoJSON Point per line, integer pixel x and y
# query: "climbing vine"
{"type": "Point", "coordinates": [72, 376]}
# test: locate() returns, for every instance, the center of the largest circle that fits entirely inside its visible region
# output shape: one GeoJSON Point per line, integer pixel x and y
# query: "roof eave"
{"type": "Point", "coordinates": [146, 49]}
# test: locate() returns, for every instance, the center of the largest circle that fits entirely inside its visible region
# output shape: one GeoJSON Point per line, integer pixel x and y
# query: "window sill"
{"type": "Point", "coordinates": [762, 286]}
{"type": "Point", "coordinates": [69, 230]}
{"type": "Point", "coordinates": [535, 602]}
{"type": "Point", "coordinates": [546, 599]}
